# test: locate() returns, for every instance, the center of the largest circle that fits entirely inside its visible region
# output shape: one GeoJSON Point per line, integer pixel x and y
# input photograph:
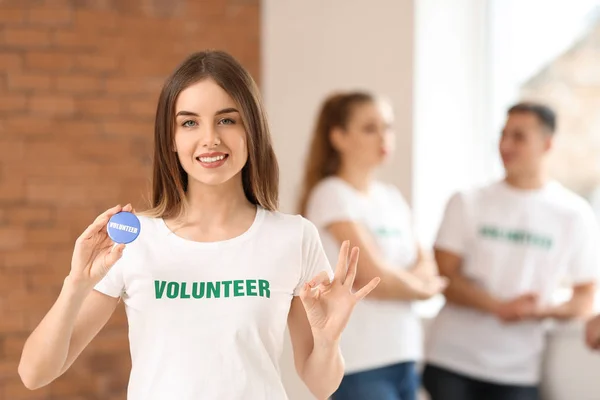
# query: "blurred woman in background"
{"type": "Point", "coordinates": [383, 339]}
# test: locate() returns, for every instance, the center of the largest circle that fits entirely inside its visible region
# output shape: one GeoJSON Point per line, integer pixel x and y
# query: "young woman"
{"type": "Point", "coordinates": [216, 272]}
{"type": "Point", "coordinates": [341, 197]}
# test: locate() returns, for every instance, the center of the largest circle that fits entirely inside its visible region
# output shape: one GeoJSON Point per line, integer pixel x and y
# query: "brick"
{"type": "Point", "coordinates": [96, 63]}
{"type": "Point", "coordinates": [50, 15]}
{"type": "Point", "coordinates": [146, 66]}
{"type": "Point", "coordinates": [111, 341]}
{"type": "Point", "coordinates": [100, 107]}
{"type": "Point", "coordinates": [132, 174]}
{"type": "Point", "coordinates": [59, 259]}
{"type": "Point", "coordinates": [3, 218]}
{"type": "Point", "coordinates": [71, 194]}
{"type": "Point", "coordinates": [128, 129]}
{"type": "Point", "coordinates": [26, 37]}
{"type": "Point", "coordinates": [10, 61]}
{"type": "Point", "coordinates": [104, 150]}
{"type": "Point", "coordinates": [11, 280]}
{"type": "Point", "coordinates": [75, 40]}
{"type": "Point", "coordinates": [49, 61]}
{"type": "Point", "coordinates": [12, 346]}
{"type": "Point", "coordinates": [12, 238]}
{"type": "Point", "coordinates": [30, 216]}
{"type": "Point", "coordinates": [52, 105]}
{"type": "Point", "coordinates": [12, 190]}
{"type": "Point", "coordinates": [136, 194]}
{"type": "Point", "coordinates": [12, 15]}
{"type": "Point", "coordinates": [14, 390]}
{"type": "Point", "coordinates": [77, 219]}
{"type": "Point", "coordinates": [45, 280]}
{"type": "Point", "coordinates": [49, 236]}
{"type": "Point", "coordinates": [63, 387]}
{"type": "Point", "coordinates": [80, 129]}
{"type": "Point", "coordinates": [12, 322]}
{"type": "Point", "coordinates": [98, 21]}
{"type": "Point", "coordinates": [134, 85]}
{"type": "Point", "coordinates": [70, 169]}
{"type": "Point", "coordinates": [24, 127]}
{"type": "Point", "coordinates": [11, 150]}
{"type": "Point", "coordinates": [145, 108]}
{"type": "Point", "coordinates": [20, 81]}
{"type": "Point", "coordinates": [52, 155]}
{"type": "Point", "coordinates": [78, 84]}
{"type": "Point", "coordinates": [48, 151]}
{"type": "Point", "coordinates": [13, 102]}
{"type": "Point", "coordinates": [24, 259]}
{"type": "Point", "coordinates": [7, 369]}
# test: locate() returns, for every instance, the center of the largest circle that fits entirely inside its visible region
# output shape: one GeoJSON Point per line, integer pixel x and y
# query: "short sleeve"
{"type": "Point", "coordinates": [331, 202]}
{"type": "Point", "coordinates": [113, 284]}
{"type": "Point", "coordinates": [314, 259]}
{"type": "Point", "coordinates": [584, 265]}
{"type": "Point", "coordinates": [451, 235]}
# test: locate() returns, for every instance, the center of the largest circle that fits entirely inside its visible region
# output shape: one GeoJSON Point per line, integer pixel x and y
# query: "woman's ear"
{"type": "Point", "coordinates": [338, 138]}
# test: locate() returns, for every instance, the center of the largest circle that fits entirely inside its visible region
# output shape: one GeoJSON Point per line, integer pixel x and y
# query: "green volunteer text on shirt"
{"type": "Point", "coordinates": [212, 290]}
{"type": "Point", "coordinates": [518, 236]}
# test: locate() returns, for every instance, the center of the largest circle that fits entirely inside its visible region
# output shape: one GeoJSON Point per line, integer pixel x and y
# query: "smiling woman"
{"type": "Point", "coordinates": [215, 102]}
{"type": "Point", "coordinates": [216, 272]}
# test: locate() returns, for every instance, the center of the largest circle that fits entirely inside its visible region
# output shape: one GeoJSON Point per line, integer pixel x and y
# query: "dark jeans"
{"type": "Point", "coordinates": [394, 382]}
{"type": "Point", "coordinates": [442, 384]}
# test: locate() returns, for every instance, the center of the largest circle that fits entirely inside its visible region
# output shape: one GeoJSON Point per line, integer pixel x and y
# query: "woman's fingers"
{"type": "Point", "coordinates": [100, 222]}
{"type": "Point", "coordinates": [352, 268]}
{"type": "Point", "coordinates": [368, 288]}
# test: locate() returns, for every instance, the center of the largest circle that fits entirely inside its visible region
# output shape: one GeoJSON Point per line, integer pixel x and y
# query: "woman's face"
{"type": "Point", "coordinates": [210, 138]}
{"type": "Point", "coordinates": [368, 140]}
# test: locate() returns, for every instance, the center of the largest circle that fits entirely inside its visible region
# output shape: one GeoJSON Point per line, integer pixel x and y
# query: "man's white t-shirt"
{"type": "Point", "coordinates": [207, 319]}
{"type": "Point", "coordinates": [512, 242]}
{"type": "Point", "coordinates": [379, 333]}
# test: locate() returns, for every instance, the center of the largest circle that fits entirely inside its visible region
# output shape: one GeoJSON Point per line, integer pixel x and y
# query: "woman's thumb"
{"type": "Point", "coordinates": [114, 254]}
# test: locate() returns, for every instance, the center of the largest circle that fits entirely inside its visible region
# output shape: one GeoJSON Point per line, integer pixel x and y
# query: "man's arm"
{"type": "Point", "coordinates": [425, 265]}
{"type": "Point", "coordinates": [580, 305]}
{"type": "Point", "coordinates": [461, 290]}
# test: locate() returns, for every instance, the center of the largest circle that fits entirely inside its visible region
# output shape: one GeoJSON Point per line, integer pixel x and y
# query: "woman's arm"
{"type": "Point", "coordinates": [395, 284]}
{"type": "Point", "coordinates": [319, 362]}
{"type": "Point", "coordinates": [73, 321]}
{"type": "Point", "coordinates": [79, 312]}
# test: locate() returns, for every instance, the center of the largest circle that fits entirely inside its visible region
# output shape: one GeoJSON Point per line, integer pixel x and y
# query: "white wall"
{"type": "Point", "coordinates": [450, 105]}
{"type": "Point", "coordinates": [312, 47]}
{"type": "Point", "coordinates": [517, 52]}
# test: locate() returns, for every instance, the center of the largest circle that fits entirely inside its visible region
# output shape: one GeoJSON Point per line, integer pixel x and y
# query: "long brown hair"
{"type": "Point", "coordinates": [260, 175]}
{"type": "Point", "coordinates": [323, 159]}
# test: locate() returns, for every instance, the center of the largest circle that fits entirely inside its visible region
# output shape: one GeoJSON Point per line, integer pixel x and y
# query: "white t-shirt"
{"type": "Point", "coordinates": [512, 242]}
{"type": "Point", "coordinates": [207, 319]}
{"type": "Point", "coordinates": [379, 333]}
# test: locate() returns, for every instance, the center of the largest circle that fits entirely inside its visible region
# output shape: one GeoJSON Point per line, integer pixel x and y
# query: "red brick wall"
{"type": "Point", "coordinates": [79, 81]}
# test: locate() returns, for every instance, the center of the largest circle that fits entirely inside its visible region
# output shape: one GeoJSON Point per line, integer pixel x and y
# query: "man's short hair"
{"type": "Point", "coordinates": [545, 115]}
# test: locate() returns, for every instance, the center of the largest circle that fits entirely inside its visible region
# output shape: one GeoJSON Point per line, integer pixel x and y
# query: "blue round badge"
{"type": "Point", "coordinates": [123, 227]}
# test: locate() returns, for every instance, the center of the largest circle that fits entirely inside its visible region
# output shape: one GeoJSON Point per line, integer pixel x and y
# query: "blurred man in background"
{"type": "Point", "coordinates": [506, 248]}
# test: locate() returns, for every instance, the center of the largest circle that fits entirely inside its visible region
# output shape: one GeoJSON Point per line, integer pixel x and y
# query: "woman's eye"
{"type": "Point", "coordinates": [189, 124]}
{"type": "Point", "coordinates": [227, 121]}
